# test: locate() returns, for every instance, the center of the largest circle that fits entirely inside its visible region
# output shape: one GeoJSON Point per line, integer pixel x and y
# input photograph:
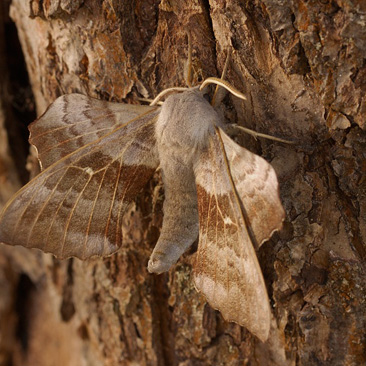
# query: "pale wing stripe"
{"type": "Point", "coordinates": [241, 232]}
{"type": "Point", "coordinates": [226, 259]}
{"type": "Point", "coordinates": [46, 202]}
{"type": "Point", "coordinates": [223, 180]}
{"type": "Point", "coordinates": [110, 163]}
{"type": "Point", "coordinates": [203, 244]}
{"type": "Point", "coordinates": [237, 213]}
{"type": "Point", "coordinates": [120, 156]}
{"type": "Point", "coordinates": [216, 227]}
{"type": "Point", "coordinates": [36, 190]}
{"type": "Point", "coordinates": [92, 212]}
{"type": "Point", "coordinates": [68, 110]}
{"type": "Point", "coordinates": [54, 186]}
{"type": "Point", "coordinates": [59, 206]}
{"type": "Point", "coordinates": [237, 233]}
{"type": "Point", "coordinates": [19, 219]}
{"type": "Point", "coordinates": [98, 147]}
{"type": "Point", "coordinates": [79, 196]}
{"type": "Point", "coordinates": [225, 239]}
{"type": "Point", "coordinates": [72, 139]}
{"type": "Point", "coordinates": [68, 125]}
{"type": "Point", "coordinates": [111, 207]}
{"type": "Point", "coordinates": [72, 213]}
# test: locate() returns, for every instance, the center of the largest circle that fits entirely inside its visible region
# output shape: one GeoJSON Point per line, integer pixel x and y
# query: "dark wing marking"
{"type": "Point", "coordinates": [74, 207]}
{"type": "Point", "coordinates": [226, 268]}
{"type": "Point", "coordinates": [75, 120]}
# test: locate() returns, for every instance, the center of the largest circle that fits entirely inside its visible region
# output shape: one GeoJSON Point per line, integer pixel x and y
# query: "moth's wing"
{"type": "Point", "coordinates": [74, 207]}
{"type": "Point", "coordinates": [226, 268]}
{"type": "Point", "coordinates": [73, 121]}
{"type": "Point", "coordinates": [256, 184]}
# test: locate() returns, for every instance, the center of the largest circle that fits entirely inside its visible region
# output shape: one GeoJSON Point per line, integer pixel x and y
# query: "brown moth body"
{"type": "Point", "coordinates": [180, 141]}
{"type": "Point", "coordinates": [97, 156]}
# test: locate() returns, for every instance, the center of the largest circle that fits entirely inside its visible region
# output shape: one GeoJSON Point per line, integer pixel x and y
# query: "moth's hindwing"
{"type": "Point", "coordinates": [226, 267]}
{"type": "Point", "coordinates": [75, 206]}
{"type": "Point", "coordinates": [73, 121]}
{"type": "Point", "coordinates": [257, 187]}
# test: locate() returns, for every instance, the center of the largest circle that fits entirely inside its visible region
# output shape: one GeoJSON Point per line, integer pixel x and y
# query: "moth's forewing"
{"type": "Point", "coordinates": [73, 121]}
{"type": "Point", "coordinates": [75, 206]}
{"type": "Point", "coordinates": [257, 187]}
{"type": "Point", "coordinates": [226, 267]}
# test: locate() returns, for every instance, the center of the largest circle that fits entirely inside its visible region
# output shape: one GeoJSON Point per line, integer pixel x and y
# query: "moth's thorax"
{"type": "Point", "coordinates": [185, 121]}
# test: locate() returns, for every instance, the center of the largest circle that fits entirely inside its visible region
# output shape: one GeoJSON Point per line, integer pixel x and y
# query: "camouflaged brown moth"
{"type": "Point", "coordinates": [96, 157]}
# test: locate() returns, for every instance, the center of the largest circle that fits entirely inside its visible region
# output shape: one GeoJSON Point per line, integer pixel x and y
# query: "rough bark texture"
{"type": "Point", "coordinates": [302, 66]}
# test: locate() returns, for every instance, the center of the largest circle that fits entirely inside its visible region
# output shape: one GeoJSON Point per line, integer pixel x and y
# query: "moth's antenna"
{"type": "Point", "coordinates": [167, 91]}
{"type": "Point", "coordinates": [213, 102]}
{"type": "Point", "coordinates": [225, 85]}
{"type": "Point", "coordinates": [189, 61]}
{"type": "Point", "coordinates": [256, 134]}
{"type": "Point", "coordinates": [148, 100]}
{"type": "Point", "coordinates": [237, 93]}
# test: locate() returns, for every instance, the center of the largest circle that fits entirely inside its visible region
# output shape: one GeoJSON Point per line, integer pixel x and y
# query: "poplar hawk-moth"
{"type": "Point", "coordinates": [96, 156]}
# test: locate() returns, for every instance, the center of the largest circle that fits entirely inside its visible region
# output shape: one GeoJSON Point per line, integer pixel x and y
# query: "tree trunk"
{"type": "Point", "coordinates": [302, 67]}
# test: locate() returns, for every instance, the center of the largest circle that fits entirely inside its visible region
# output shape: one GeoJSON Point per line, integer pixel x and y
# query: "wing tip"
{"type": "Point", "coordinates": [277, 227]}
{"type": "Point", "coordinates": [260, 329]}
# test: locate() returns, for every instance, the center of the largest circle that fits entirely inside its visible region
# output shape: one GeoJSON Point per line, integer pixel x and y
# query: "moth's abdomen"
{"type": "Point", "coordinates": [180, 223]}
{"type": "Point", "coordinates": [182, 132]}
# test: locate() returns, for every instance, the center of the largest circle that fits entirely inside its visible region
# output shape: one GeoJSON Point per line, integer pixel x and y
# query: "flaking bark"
{"type": "Point", "coordinates": [301, 66]}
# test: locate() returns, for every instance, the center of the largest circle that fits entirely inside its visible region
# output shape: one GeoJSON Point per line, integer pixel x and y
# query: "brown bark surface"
{"type": "Point", "coordinates": [302, 66]}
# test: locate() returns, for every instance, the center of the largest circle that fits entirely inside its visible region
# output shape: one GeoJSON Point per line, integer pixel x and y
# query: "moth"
{"type": "Point", "coordinates": [96, 156]}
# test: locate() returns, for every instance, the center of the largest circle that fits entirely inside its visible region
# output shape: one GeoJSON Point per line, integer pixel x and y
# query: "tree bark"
{"type": "Point", "coordinates": [302, 67]}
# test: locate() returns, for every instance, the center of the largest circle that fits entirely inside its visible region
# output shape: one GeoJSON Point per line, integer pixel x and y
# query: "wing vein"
{"type": "Point", "coordinates": [98, 147]}
{"type": "Point", "coordinates": [36, 189]}
{"type": "Point", "coordinates": [45, 203]}
{"type": "Point", "coordinates": [73, 138]}
{"type": "Point", "coordinates": [59, 207]}
{"type": "Point", "coordinates": [91, 214]}
{"type": "Point", "coordinates": [68, 125]}
{"type": "Point", "coordinates": [216, 223]}
{"type": "Point", "coordinates": [111, 206]}
{"type": "Point", "coordinates": [71, 213]}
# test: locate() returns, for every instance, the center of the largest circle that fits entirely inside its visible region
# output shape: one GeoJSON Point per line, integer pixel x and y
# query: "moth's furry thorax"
{"type": "Point", "coordinates": [97, 156]}
{"type": "Point", "coordinates": [186, 120]}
